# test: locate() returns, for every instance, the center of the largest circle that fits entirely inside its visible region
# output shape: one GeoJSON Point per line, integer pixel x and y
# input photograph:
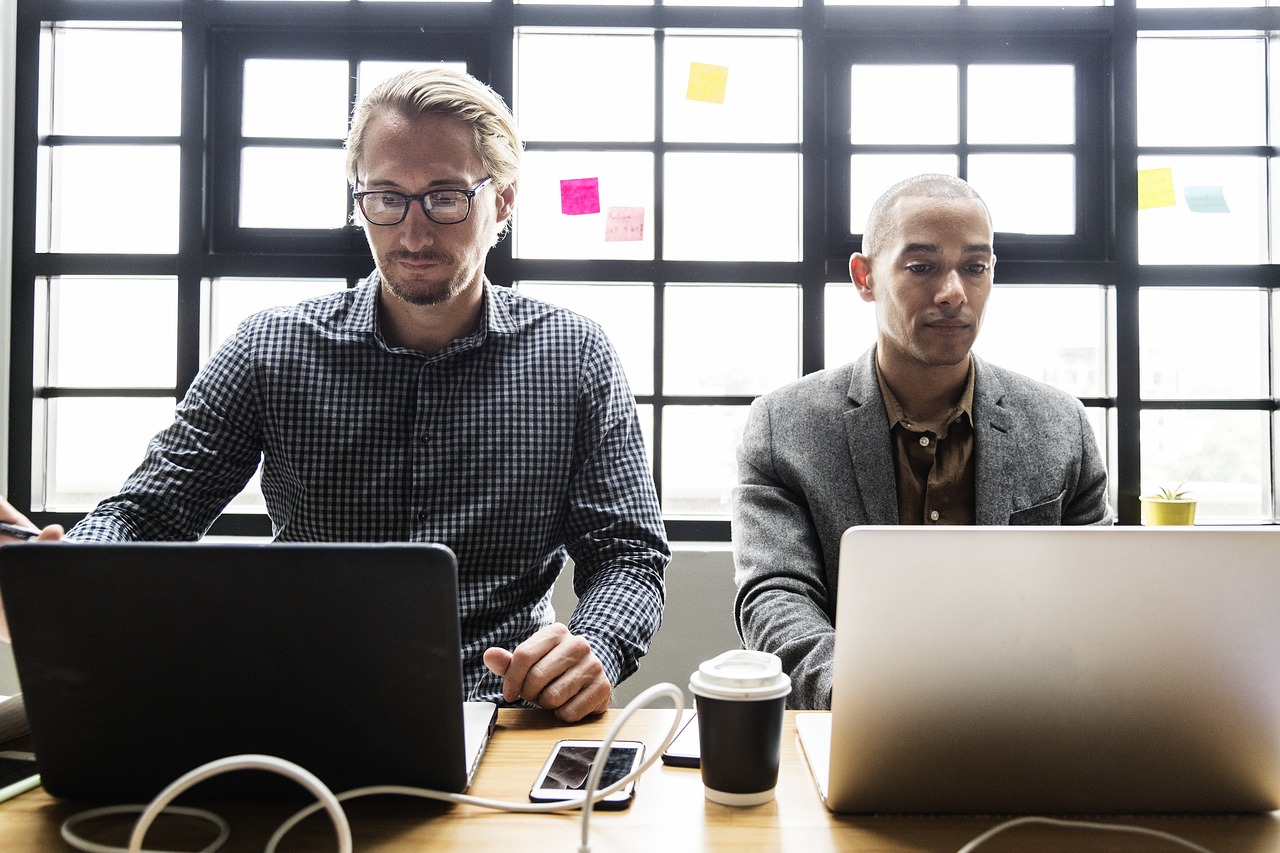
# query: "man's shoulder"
{"type": "Point", "coordinates": [529, 313]}
{"type": "Point", "coordinates": [831, 385]}
{"type": "Point", "coordinates": [1012, 390]}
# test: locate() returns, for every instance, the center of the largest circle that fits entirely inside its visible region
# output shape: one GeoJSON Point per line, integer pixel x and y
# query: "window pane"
{"type": "Point", "coordinates": [295, 98]}
{"type": "Point", "coordinates": [732, 89]}
{"type": "Point", "coordinates": [1215, 212]}
{"type": "Point", "coordinates": [556, 100]}
{"type": "Point", "coordinates": [116, 82]}
{"type": "Point", "coordinates": [905, 104]}
{"type": "Point", "coordinates": [1201, 91]}
{"type": "Point", "coordinates": [752, 345]}
{"type": "Point", "coordinates": [850, 324]}
{"type": "Point", "coordinates": [1203, 343]}
{"type": "Point", "coordinates": [1222, 458]}
{"type": "Point", "coordinates": [699, 459]}
{"type": "Point", "coordinates": [370, 73]}
{"type": "Point", "coordinates": [231, 300]}
{"type": "Point", "coordinates": [585, 204]}
{"type": "Point", "coordinates": [872, 174]}
{"type": "Point", "coordinates": [132, 320]}
{"type": "Point", "coordinates": [98, 203]}
{"type": "Point", "coordinates": [624, 311]}
{"type": "Point", "coordinates": [292, 188]}
{"type": "Point", "coordinates": [700, 188]}
{"type": "Point", "coordinates": [1053, 333]}
{"type": "Point", "coordinates": [1028, 104]}
{"type": "Point", "coordinates": [1003, 180]}
{"type": "Point", "coordinates": [95, 445]}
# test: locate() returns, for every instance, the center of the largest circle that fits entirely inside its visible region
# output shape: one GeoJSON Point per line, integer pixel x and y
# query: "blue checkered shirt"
{"type": "Point", "coordinates": [517, 446]}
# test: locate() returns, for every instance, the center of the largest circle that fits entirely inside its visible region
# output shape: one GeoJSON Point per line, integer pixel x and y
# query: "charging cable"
{"type": "Point", "coordinates": [327, 800]}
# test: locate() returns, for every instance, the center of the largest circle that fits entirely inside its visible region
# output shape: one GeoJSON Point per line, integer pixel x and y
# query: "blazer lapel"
{"type": "Point", "coordinates": [870, 447]}
{"type": "Point", "coordinates": [995, 448]}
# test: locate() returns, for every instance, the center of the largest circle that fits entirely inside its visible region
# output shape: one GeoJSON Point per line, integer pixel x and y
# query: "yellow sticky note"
{"type": "Point", "coordinates": [707, 83]}
{"type": "Point", "coordinates": [1155, 188]}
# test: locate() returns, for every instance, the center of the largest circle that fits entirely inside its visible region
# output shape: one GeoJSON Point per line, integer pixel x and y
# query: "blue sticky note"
{"type": "Point", "coordinates": [1206, 200]}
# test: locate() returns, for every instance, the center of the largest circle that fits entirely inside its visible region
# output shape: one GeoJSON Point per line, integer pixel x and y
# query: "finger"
{"type": "Point", "coordinates": [521, 680]}
{"type": "Point", "coordinates": [594, 699]}
{"type": "Point", "coordinates": [497, 660]}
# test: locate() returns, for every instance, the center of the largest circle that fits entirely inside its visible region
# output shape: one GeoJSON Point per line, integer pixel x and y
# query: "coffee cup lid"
{"type": "Point", "coordinates": [741, 674]}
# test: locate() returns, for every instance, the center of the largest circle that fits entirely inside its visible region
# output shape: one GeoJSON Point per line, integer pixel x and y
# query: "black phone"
{"type": "Point", "coordinates": [684, 750]}
{"type": "Point", "coordinates": [564, 775]}
{"type": "Point", "coordinates": [18, 773]}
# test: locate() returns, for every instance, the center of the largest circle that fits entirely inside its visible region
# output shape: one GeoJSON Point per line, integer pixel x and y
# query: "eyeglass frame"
{"type": "Point", "coordinates": [421, 199]}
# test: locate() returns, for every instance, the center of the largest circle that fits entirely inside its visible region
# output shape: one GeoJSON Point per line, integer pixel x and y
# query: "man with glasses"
{"type": "Point", "coordinates": [428, 405]}
{"type": "Point", "coordinates": [917, 431]}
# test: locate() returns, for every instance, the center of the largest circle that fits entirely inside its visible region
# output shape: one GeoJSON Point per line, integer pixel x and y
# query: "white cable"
{"type": "Point", "coordinates": [84, 844]}
{"type": "Point", "coordinates": [590, 795]}
{"type": "Point", "coordinates": [1082, 824]}
{"type": "Point", "coordinates": [331, 803]}
{"type": "Point", "coordinates": [301, 775]}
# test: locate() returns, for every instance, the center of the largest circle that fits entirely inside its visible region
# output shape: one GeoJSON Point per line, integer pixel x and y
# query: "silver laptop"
{"type": "Point", "coordinates": [1007, 670]}
{"type": "Point", "coordinates": [141, 661]}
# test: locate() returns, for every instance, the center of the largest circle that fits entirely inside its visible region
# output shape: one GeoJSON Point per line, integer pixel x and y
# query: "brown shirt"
{"type": "Point", "coordinates": [934, 471]}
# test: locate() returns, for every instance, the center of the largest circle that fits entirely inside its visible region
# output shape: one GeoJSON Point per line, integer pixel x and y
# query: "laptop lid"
{"type": "Point", "coordinates": [141, 661]}
{"type": "Point", "coordinates": [1053, 670]}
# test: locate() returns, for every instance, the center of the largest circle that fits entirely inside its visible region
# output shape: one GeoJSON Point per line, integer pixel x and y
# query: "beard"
{"type": "Point", "coordinates": [420, 292]}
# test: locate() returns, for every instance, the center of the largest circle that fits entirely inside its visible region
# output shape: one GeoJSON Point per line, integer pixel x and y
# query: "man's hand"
{"type": "Point", "coordinates": [555, 670]}
{"type": "Point", "coordinates": [52, 533]}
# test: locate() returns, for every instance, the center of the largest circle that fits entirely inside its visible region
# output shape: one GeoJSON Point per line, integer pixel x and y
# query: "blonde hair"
{"type": "Point", "coordinates": [443, 91]}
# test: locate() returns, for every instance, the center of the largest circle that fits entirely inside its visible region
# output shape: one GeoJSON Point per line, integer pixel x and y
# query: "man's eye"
{"type": "Point", "coordinates": [445, 200]}
{"type": "Point", "coordinates": [385, 199]}
{"type": "Point", "coordinates": [977, 269]}
{"type": "Point", "coordinates": [919, 269]}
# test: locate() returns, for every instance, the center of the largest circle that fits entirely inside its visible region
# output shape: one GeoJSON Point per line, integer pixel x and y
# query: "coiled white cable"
{"type": "Point", "coordinates": [326, 799]}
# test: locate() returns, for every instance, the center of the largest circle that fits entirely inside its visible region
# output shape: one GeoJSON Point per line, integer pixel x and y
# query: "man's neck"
{"type": "Point", "coordinates": [429, 328]}
{"type": "Point", "coordinates": [928, 395]}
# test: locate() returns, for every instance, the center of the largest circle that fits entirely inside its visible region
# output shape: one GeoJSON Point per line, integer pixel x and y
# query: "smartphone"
{"type": "Point", "coordinates": [564, 775]}
{"type": "Point", "coordinates": [684, 750]}
{"type": "Point", "coordinates": [18, 773]}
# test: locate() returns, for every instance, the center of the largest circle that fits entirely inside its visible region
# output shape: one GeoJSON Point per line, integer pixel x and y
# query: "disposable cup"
{"type": "Point", "coordinates": [741, 696]}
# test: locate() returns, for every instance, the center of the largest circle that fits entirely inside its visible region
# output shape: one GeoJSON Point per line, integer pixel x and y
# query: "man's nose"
{"type": "Point", "coordinates": [952, 290]}
{"type": "Point", "coordinates": [416, 229]}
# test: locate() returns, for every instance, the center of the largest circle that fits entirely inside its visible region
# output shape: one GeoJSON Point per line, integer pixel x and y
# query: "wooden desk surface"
{"type": "Point", "coordinates": [669, 815]}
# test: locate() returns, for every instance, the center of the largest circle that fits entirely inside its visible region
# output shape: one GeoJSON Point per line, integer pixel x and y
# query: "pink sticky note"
{"type": "Point", "coordinates": [623, 223]}
{"type": "Point", "coordinates": [580, 195]}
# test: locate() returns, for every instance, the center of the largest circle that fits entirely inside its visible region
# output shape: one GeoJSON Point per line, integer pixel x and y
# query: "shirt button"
{"type": "Point", "coordinates": [422, 516]}
{"type": "Point", "coordinates": [924, 441]}
{"type": "Point", "coordinates": [933, 516]}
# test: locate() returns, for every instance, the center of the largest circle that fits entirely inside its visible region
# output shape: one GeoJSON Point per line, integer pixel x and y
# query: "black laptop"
{"type": "Point", "coordinates": [141, 661]}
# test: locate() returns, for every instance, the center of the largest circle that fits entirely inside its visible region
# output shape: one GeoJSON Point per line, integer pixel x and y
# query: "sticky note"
{"type": "Point", "coordinates": [1206, 200]}
{"type": "Point", "coordinates": [622, 224]}
{"type": "Point", "coordinates": [1155, 188]}
{"type": "Point", "coordinates": [707, 83]}
{"type": "Point", "coordinates": [579, 196]}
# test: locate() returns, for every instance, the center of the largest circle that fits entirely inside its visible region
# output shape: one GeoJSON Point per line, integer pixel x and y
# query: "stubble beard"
{"type": "Point", "coordinates": [436, 293]}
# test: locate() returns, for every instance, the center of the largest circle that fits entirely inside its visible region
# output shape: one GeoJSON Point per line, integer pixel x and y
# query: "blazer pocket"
{"type": "Point", "coordinates": [1047, 513]}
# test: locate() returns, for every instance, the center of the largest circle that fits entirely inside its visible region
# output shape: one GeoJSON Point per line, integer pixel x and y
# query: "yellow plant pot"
{"type": "Point", "coordinates": [1159, 512]}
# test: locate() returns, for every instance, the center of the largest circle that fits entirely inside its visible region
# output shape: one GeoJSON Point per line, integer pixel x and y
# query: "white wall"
{"type": "Point", "coordinates": [697, 623]}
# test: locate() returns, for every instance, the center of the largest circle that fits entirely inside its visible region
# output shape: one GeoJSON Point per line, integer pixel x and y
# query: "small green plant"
{"type": "Point", "coordinates": [1175, 494]}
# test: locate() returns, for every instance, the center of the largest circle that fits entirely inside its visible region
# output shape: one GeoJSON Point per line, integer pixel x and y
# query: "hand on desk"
{"type": "Point", "coordinates": [52, 533]}
{"type": "Point", "coordinates": [555, 670]}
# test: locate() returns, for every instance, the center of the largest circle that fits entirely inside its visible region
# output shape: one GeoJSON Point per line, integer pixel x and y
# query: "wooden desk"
{"type": "Point", "coordinates": [669, 815]}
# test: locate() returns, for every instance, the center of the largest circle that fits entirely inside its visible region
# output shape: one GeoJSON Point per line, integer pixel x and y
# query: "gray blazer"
{"type": "Point", "coordinates": [817, 458]}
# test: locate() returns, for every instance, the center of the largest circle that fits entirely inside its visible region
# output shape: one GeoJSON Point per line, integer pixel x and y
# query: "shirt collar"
{"type": "Point", "coordinates": [495, 317]}
{"type": "Point", "coordinates": [964, 407]}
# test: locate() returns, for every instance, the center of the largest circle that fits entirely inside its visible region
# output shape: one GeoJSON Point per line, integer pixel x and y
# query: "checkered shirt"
{"type": "Point", "coordinates": [517, 446]}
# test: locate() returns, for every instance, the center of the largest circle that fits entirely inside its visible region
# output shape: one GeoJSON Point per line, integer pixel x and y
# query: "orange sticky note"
{"type": "Point", "coordinates": [623, 224]}
{"type": "Point", "coordinates": [707, 83]}
{"type": "Point", "coordinates": [1155, 188]}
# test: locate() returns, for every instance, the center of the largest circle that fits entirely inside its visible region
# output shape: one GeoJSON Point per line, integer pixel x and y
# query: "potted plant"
{"type": "Point", "coordinates": [1168, 507]}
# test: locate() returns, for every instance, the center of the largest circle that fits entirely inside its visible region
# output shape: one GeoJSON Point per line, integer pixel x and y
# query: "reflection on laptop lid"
{"type": "Point", "coordinates": [141, 661]}
{"type": "Point", "coordinates": [1053, 670]}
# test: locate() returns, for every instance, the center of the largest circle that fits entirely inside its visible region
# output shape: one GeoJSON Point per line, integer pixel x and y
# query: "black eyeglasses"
{"type": "Point", "coordinates": [388, 207]}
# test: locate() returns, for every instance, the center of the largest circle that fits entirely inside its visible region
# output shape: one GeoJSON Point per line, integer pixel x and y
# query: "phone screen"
{"type": "Point", "coordinates": [564, 776]}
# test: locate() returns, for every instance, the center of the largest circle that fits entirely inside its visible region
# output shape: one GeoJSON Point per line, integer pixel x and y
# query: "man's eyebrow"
{"type": "Point", "coordinates": [933, 248]}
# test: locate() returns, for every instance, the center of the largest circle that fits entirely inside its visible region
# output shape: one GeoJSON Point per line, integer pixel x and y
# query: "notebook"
{"type": "Point", "coordinates": [141, 661]}
{"type": "Point", "coordinates": [1053, 670]}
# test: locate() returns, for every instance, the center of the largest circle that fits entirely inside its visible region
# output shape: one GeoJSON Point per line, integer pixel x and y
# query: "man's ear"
{"type": "Point", "coordinates": [506, 203]}
{"type": "Point", "coordinates": [860, 273]}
